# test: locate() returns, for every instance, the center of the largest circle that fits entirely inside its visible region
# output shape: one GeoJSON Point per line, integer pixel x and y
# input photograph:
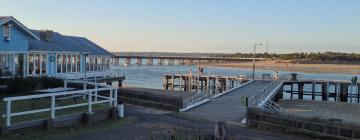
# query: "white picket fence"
{"type": "Point", "coordinates": [90, 94]}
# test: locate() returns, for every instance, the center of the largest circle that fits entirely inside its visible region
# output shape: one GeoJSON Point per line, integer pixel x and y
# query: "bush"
{"type": "Point", "coordinates": [25, 85]}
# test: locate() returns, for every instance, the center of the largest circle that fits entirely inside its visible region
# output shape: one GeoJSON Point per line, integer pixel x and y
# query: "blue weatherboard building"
{"type": "Point", "coordinates": [27, 52]}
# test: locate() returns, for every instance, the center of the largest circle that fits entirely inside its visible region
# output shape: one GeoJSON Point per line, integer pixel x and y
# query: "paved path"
{"type": "Point", "coordinates": [228, 107]}
{"type": "Point", "coordinates": [152, 124]}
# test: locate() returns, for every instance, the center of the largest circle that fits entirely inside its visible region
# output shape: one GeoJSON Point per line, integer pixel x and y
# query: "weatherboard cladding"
{"type": "Point", "coordinates": [62, 43]}
{"type": "Point", "coordinates": [18, 43]}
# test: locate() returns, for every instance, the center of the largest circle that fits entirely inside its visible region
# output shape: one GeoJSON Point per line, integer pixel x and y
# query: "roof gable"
{"type": "Point", "coordinates": [24, 29]}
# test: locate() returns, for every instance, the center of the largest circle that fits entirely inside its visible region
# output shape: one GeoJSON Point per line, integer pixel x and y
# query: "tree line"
{"type": "Point", "coordinates": [323, 56]}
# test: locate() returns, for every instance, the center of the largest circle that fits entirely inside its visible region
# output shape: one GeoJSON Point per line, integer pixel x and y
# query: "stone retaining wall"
{"type": "Point", "coordinates": [314, 126]}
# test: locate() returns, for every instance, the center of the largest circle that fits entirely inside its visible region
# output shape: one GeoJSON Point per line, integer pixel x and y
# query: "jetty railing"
{"type": "Point", "coordinates": [92, 99]}
{"type": "Point", "coordinates": [263, 96]}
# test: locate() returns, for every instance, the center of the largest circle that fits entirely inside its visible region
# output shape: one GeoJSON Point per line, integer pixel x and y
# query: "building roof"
{"type": "Point", "coordinates": [7, 19]}
{"type": "Point", "coordinates": [63, 43]}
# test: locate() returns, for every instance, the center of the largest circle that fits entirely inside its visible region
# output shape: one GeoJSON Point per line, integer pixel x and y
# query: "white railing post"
{"type": "Point", "coordinates": [115, 97]}
{"type": "Point", "coordinates": [111, 96]}
{"type": "Point", "coordinates": [53, 107]}
{"type": "Point", "coordinates": [89, 103]}
{"type": "Point", "coordinates": [8, 112]}
{"type": "Point", "coordinates": [65, 82]}
{"type": "Point", "coordinates": [96, 90]}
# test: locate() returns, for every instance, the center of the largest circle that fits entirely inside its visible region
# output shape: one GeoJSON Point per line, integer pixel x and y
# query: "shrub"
{"type": "Point", "coordinates": [21, 85]}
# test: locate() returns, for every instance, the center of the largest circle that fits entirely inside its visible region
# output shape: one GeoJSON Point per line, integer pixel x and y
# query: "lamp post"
{"type": "Point", "coordinates": [254, 55]}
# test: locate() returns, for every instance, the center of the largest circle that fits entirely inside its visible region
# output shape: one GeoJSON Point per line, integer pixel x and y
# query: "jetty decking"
{"type": "Point", "coordinates": [229, 107]}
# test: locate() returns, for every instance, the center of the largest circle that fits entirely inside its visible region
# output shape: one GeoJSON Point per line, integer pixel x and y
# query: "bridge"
{"type": "Point", "coordinates": [230, 106]}
{"type": "Point", "coordinates": [182, 60]}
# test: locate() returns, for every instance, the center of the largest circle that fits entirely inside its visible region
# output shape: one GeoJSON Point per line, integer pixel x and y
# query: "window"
{"type": "Point", "coordinates": [6, 31]}
{"type": "Point", "coordinates": [43, 64]}
{"type": "Point", "coordinates": [73, 63]}
{"type": "Point", "coordinates": [69, 63]}
{"type": "Point", "coordinates": [63, 63]}
{"type": "Point", "coordinates": [78, 63]}
{"type": "Point", "coordinates": [37, 63]}
{"type": "Point", "coordinates": [31, 64]}
{"type": "Point", "coordinates": [58, 63]}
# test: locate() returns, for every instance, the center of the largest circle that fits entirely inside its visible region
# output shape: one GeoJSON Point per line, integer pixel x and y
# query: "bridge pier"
{"type": "Point", "coordinates": [160, 62]}
{"type": "Point", "coordinates": [139, 61]}
{"type": "Point", "coordinates": [149, 61]}
{"type": "Point", "coordinates": [171, 62]}
{"type": "Point", "coordinates": [128, 61]}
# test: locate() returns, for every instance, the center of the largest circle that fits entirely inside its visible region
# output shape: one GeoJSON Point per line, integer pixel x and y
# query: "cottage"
{"type": "Point", "coordinates": [26, 52]}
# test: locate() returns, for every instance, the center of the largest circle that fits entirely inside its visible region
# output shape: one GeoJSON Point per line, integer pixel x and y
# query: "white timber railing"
{"type": "Point", "coordinates": [91, 94]}
{"type": "Point", "coordinates": [76, 76]}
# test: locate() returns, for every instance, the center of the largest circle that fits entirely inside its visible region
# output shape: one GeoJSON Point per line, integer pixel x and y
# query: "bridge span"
{"type": "Point", "coordinates": [182, 60]}
{"type": "Point", "coordinates": [230, 106]}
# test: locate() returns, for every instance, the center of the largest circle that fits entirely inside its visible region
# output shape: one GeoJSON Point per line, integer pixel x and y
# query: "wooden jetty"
{"type": "Point", "coordinates": [210, 84]}
{"type": "Point", "coordinates": [338, 91]}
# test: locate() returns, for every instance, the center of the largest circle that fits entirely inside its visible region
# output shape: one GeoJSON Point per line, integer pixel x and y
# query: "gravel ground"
{"type": "Point", "coordinates": [157, 124]}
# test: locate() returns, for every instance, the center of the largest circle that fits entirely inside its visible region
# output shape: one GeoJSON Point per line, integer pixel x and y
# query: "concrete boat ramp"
{"type": "Point", "coordinates": [229, 107]}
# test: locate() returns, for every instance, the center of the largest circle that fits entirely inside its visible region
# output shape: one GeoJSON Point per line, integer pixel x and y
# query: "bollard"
{"type": "Point", "coordinates": [120, 109]}
{"type": "Point", "coordinates": [245, 101]}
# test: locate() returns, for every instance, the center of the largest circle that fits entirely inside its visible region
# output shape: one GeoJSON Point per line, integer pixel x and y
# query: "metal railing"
{"type": "Point", "coordinates": [91, 94]}
{"type": "Point", "coordinates": [262, 95]}
{"type": "Point", "coordinates": [202, 97]}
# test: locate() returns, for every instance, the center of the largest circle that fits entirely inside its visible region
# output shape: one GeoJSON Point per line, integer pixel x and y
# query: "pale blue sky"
{"type": "Point", "coordinates": [198, 25]}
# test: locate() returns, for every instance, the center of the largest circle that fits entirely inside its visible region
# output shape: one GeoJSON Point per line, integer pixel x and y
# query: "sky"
{"type": "Point", "coordinates": [202, 26]}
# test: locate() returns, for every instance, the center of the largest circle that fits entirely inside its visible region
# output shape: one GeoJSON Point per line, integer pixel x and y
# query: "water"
{"type": "Point", "coordinates": [151, 76]}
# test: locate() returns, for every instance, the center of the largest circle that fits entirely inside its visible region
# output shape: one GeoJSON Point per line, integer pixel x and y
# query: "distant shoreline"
{"type": "Point", "coordinates": [291, 67]}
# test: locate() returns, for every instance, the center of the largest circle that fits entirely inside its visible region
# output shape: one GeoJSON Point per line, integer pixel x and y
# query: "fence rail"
{"type": "Point", "coordinates": [91, 94]}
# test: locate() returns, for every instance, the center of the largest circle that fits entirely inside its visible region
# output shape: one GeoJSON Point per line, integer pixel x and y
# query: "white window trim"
{"type": "Point", "coordinates": [9, 32]}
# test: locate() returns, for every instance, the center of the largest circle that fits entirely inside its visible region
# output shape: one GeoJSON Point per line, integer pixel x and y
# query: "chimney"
{"type": "Point", "coordinates": [46, 35]}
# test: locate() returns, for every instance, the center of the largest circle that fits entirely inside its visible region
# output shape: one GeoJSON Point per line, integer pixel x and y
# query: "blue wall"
{"type": "Point", "coordinates": [19, 41]}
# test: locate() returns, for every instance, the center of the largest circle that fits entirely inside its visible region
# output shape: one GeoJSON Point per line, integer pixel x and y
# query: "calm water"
{"type": "Point", "coordinates": [151, 76]}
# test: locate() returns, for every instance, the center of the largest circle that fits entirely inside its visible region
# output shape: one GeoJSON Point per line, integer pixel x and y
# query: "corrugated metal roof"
{"type": "Point", "coordinates": [3, 18]}
{"type": "Point", "coordinates": [62, 43]}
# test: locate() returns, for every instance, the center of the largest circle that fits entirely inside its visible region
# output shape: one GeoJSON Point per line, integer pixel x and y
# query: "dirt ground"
{"type": "Point", "coordinates": [157, 124]}
{"type": "Point", "coordinates": [287, 66]}
{"type": "Point", "coordinates": [327, 110]}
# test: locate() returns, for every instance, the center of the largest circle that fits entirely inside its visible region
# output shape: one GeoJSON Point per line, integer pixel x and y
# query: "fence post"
{"type": "Point", "coordinates": [111, 97]}
{"type": "Point", "coordinates": [8, 112]}
{"type": "Point", "coordinates": [115, 97]}
{"type": "Point", "coordinates": [53, 107]}
{"type": "Point", "coordinates": [65, 82]}
{"type": "Point", "coordinates": [89, 103]}
{"type": "Point", "coordinates": [96, 90]}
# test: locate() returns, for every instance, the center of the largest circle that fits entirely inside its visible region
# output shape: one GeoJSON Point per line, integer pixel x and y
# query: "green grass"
{"type": "Point", "coordinates": [43, 134]}
{"type": "Point", "coordinates": [25, 105]}
{"type": "Point", "coordinates": [65, 131]}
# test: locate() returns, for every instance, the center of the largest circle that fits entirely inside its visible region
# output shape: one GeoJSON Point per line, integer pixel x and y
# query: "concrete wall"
{"type": "Point", "coordinates": [150, 99]}
{"type": "Point", "coordinates": [315, 126]}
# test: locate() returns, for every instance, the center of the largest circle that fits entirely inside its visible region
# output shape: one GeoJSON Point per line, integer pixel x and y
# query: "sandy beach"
{"type": "Point", "coordinates": [286, 66]}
